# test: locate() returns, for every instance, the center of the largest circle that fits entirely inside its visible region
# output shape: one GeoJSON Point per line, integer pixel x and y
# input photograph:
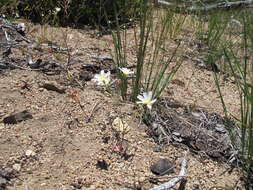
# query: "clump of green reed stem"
{"type": "Point", "coordinates": [214, 33]}
{"type": "Point", "coordinates": [239, 59]}
{"type": "Point", "coordinates": [154, 69]}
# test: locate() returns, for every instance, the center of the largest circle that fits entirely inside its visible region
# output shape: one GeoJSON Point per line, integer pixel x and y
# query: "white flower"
{"type": "Point", "coordinates": [146, 99]}
{"type": "Point", "coordinates": [57, 9]}
{"type": "Point", "coordinates": [103, 78]}
{"type": "Point", "coordinates": [125, 71]}
{"type": "Point", "coordinates": [21, 26]}
{"type": "Point", "coordinates": [17, 15]}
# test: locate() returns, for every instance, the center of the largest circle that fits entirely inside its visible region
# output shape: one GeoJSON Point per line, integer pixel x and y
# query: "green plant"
{"type": "Point", "coordinates": [239, 60]}
{"type": "Point", "coordinates": [8, 7]}
{"type": "Point", "coordinates": [215, 36]}
{"type": "Point", "coordinates": [74, 13]}
{"type": "Point", "coordinates": [154, 67]}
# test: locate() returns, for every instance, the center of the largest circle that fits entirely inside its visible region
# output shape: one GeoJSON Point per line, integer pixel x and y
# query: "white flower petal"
{"type": "Point", "coordinates": [140, 97]}
{"type": "Point", "coordinates": [102, 78]}
{"type": "Point", "coordinates": [146, 99]}
{"type": "Point", "coordinates": [150, 94]}
{"type": "Point", "coordinates": [106, 81]}
{"type": "Point", "coordinates": [149, 106]}
{"type": "Point", "coordinates": [108, 73]}
{"type": "Point", "coordinates": [125, 71]}
{"type": "Point", "coordinates": [153, 101]}
{"type": "Point", "coordinates": [146, 96]}
{"type": "Point", "coordinates": [57, 9]}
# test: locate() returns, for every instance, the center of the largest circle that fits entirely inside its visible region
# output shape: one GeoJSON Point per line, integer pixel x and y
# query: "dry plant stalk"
{"type": "Point", "coordinates": [76, 97]}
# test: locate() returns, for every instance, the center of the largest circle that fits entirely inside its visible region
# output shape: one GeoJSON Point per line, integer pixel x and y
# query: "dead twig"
{"type": "Point", "coordinates": [92, 111]}
{"type": "Point", "coordinates": [101, 58]}
{"type": "Point", "coordinates": [6, 64]}
{"type": "Point", "coordinates": [226, 5]}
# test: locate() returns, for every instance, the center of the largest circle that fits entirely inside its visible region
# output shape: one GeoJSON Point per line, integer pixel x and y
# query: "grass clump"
{"type": "Point", "coordinates": [156, 63]}
{"type": "Point", "coordinates": [238, 56]}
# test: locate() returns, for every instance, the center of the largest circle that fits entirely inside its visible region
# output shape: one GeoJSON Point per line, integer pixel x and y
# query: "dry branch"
{"type": "Point", "coordinates": [11, 36]}
{"type": "Point", "coordinates": [221, 6]}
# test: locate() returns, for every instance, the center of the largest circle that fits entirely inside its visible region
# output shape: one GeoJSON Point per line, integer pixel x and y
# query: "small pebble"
{"type": "Point", "coordinates": [157, 149]}
{"type": "Point", "coordinates": [17, 167]}
{"type": "Point", "coordinates": [103, 165]}
{"type": "Point", "coordinates": [30, 153]}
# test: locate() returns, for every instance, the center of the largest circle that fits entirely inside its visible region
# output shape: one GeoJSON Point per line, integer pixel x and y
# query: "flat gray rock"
{"type": "Point", "coordinates": [162, 167]}
{"type": "Point", "coordinates": [17, 117]}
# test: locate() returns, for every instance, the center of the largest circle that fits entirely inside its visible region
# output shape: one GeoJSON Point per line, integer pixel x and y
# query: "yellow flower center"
{"type": "Point", "coordinates": [147, 102]}
{"type": "Point", "coordinates": [101, 78]}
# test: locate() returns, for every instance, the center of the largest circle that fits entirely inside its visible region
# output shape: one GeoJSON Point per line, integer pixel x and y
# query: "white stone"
{"type": "Point", "coordinates": [17, 167]}
{"type": "Point", "coordinates": [30, 153]}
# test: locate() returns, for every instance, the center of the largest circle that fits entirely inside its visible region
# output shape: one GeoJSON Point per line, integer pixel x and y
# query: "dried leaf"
{"type": "Point", "coordinates": [75, 96]}
{"type": "Point", "coordinates": [120, 126]}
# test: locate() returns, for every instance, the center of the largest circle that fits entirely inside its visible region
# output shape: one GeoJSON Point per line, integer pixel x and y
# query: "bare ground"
{"type": "Point", "coordinates": [70, 151]}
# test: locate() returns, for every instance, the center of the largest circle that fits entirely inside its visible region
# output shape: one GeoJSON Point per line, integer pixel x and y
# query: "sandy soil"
{"type": "Point", "coordinates": [68, 150]}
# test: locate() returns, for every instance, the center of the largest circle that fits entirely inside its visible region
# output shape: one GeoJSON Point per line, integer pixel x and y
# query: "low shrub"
{"type": "Point", "coordinates": [75, 12]}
